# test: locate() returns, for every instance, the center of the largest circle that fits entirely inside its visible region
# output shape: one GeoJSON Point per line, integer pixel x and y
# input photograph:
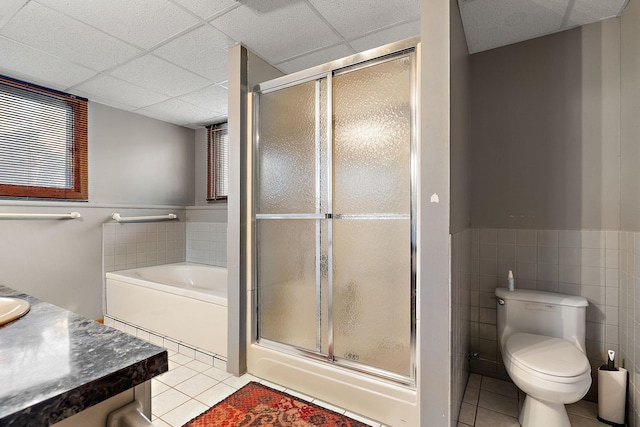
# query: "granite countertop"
{"type": "Point", "coordinates": [54, 364]}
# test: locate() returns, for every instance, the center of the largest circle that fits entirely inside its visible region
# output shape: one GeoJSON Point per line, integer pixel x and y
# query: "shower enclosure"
{"type": "Point", "coordinates": [334, 202]}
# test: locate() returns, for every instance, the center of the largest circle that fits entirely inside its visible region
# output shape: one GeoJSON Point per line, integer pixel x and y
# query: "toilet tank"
{"type": "Point", "coordinates": [542, 313]}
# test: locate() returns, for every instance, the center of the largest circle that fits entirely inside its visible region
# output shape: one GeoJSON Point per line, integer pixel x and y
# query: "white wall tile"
{"type": "Point", "coordinates": [593, 239]}
{"type": "Point", "coordinates": [612, 258]}
{"type": "Point", "coordinates": [526, 237]}
{"type": "Point", "coordinates": [612, 240]}
{"type": "Point", "coordinates": [569, 239]}
{"type": "Point", "coordinates": [547, 255]}
{"type": "Point", "coordinates": [547, 273]}
{"type": "Point", "coordinates": [506, 252]}
{"type": "Point", "coordinates": [507, 237]}
{"type": "Point", "coordinates": [547, 238]}
{"type": "Point", "coordinates": [593, 257]}
{"type": "Point", "coordinates": [526, 254]}
{"type": "Point", "coordinates": [488, 235]}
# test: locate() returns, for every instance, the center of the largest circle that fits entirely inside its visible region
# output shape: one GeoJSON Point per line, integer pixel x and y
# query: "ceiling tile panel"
{"type": "Point", "coordinates": [355, 17]}
{"type": "Point", "coordinates": [205, 9]}
{"type": "Point", "coordinates": [121, 92]}
{"type": "Point", "coordinates": [492, 23]}
{"type": "Point", "coordinates": [315, 58]}
{"type": "Point", "coordinates": [52, 32]}
{"type": "Point", "coordinates": [179, 111]}
{"type": "Point", "coordinates": [211, 98]}
{"type": "Point", "coordinates": [8, 8]}
{"type": "Point", "coordinates": [587, 11]}
{"type": "Point", "coordinates": [277, 29]}
{"type": "Point", "coordinates": [92, 97]}
{"type": "Point", "coordinates": [159, 75]}
{"type": "Point", "coordinates": [203, 51]}
{"type": "Point", "coordinates": [143, 23]}
{"type": "Point", "coordinates": [34, 66]}
{"type": "Point", "coordinates": [389, 35]}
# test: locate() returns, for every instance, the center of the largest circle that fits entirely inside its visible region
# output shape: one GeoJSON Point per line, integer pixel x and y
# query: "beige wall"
{"type": "Point", "coordinates": [629, 322]}
{"type": "Point", "coordinates": [139, 160]}
{"type": "Point", "coordinates": [630, 112]}
{"type": "Point", "coordinates": [137, 166]}
{"type": "Point", "coordinates": [544, 127]}
{"type": "Point", "coordinates": [434, 310]}
{"type": "Point", "coordinates": [460, 212]}
{"type": "Point", "coordinates": [545, 135]}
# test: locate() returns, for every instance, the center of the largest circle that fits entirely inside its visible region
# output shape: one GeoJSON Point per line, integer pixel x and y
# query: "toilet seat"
{"type": "Point", "coordinates": [547, 358]}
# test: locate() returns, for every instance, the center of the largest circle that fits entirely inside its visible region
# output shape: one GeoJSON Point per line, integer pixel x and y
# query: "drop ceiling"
{"type": "Point", "coordinates": [167, 59]}
{"type": "Point", "coordinates": [493, 23]}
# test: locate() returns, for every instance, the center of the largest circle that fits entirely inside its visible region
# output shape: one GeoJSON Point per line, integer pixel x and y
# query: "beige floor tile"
{"type": "Point", "coordinates": [474, 380]}
{"type": "Point", "coordinates": [176, 376]}
{"type": "Point", "coordinates": [159, 423]}
{"type": "Point", "coordinates": [215, 394]}
{"type": "Point", "coordinates": [197, 365]}
{"type": "Point", "coordinates": [239, 382]}
{"type": "Point", "coordinates": [196, 385]}
{"type": "Point", "coordinates": [583, 408]}
{"type": "Point", "coordinates": [499, 403]}
{"type": "Point", "coordinates": [471, 395]}
{"type": "Point", "coordinates": [505, 388]}
{"type": "Point", "coordinates": [467, 414]}
{"type": "Point", "coordinates": [158, 387]}
{"type": "Point", "coordinates": [217, 374]}
{"type": "Point", "coordinates": [487, 418]}
{"type": "Point", "coordinates": [180, 359]}
{"type": "Point", "coordinates": [184, 413]}
{"type": "Point", "coordinates": [578, 421]}
{"type": "Point", "coordinates": [165, 402]}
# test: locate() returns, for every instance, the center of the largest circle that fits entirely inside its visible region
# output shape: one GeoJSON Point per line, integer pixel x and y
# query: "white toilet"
{"type": "Point", "coordinates": [541, 337]}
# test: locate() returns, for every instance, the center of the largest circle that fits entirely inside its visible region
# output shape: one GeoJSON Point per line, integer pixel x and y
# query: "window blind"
{"type": "Point", "coordinates": [217, 162]}
{"type": "Point", "coordinates": [43, 142]}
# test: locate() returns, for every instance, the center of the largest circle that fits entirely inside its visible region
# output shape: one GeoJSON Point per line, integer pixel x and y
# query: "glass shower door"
{"type": "Point", "coordinates": [334, 232]}
{"type": "Point", "coordinates": [290, 211]}
{"type": "Point", "coordinates": [372, 301]}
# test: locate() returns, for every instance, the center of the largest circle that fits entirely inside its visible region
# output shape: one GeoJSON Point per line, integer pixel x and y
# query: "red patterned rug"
{"type": "Point", "coordinates": [258, 405]}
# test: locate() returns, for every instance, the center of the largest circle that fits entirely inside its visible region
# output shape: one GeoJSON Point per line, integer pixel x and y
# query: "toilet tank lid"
{"type": "Point", "coordinates": [542, 297]}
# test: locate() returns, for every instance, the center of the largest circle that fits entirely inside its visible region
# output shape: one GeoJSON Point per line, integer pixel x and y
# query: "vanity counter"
{"type": "Point", "coordinates": [55, 364]}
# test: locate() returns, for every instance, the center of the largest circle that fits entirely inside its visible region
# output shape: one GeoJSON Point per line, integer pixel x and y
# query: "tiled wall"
{"type": "Point", "coordinates": [133, 245]}
{"type": "Point", "coordinates": [629, 355]}
{"type": "Point", "coordinates": [207, 243]}
{"type": "Point", "coordinates": [460, 274]}
{"type": "Point", "coordinates": [567, 261]}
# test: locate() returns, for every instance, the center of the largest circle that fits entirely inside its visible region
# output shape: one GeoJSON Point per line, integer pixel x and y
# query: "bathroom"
{"type": "Point", "coordinates": [503, 185]}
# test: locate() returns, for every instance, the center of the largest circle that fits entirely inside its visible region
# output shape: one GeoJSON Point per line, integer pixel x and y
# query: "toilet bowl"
{"type": "Point", "coordinates": [542, 341]}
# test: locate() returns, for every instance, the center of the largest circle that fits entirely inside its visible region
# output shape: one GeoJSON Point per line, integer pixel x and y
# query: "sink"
{"type": "Point", "coordinates": [12, 308]}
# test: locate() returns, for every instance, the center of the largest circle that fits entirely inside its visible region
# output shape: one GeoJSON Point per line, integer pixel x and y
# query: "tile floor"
{"type": "Point", "coordinates": [190, 387]}
{"type": "Point", "coordinates": [489, 402]}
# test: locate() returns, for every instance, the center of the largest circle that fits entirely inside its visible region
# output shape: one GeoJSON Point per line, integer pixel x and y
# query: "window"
{"type": "Point", "coordinates": [217, 162]}
{"type": "Point", "coordinates": [43, 142]}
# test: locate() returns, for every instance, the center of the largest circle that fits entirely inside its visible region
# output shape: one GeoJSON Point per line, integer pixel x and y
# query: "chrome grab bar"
{"type": "Point", "coordinates": [117, 217]}
{"type": "Point", "coordinates": [70, 215]}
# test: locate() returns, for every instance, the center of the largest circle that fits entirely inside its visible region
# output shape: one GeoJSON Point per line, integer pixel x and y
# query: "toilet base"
{"type": "Point", "coordinates": [536, 413]}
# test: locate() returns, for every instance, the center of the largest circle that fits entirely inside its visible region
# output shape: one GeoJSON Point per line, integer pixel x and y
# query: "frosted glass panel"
{"type": "Point", "coordinates": [287, 150]}
{"type": "Point", "coordinates": [372, 135]}
{"type": "Point", "coordinates": [287, 281]}
{"type": "Point", "coordinates": [372, 293]}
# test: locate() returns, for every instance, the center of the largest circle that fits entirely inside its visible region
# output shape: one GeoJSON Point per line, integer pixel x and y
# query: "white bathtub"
{"type": "Point", "coordinates": [183, 301]}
